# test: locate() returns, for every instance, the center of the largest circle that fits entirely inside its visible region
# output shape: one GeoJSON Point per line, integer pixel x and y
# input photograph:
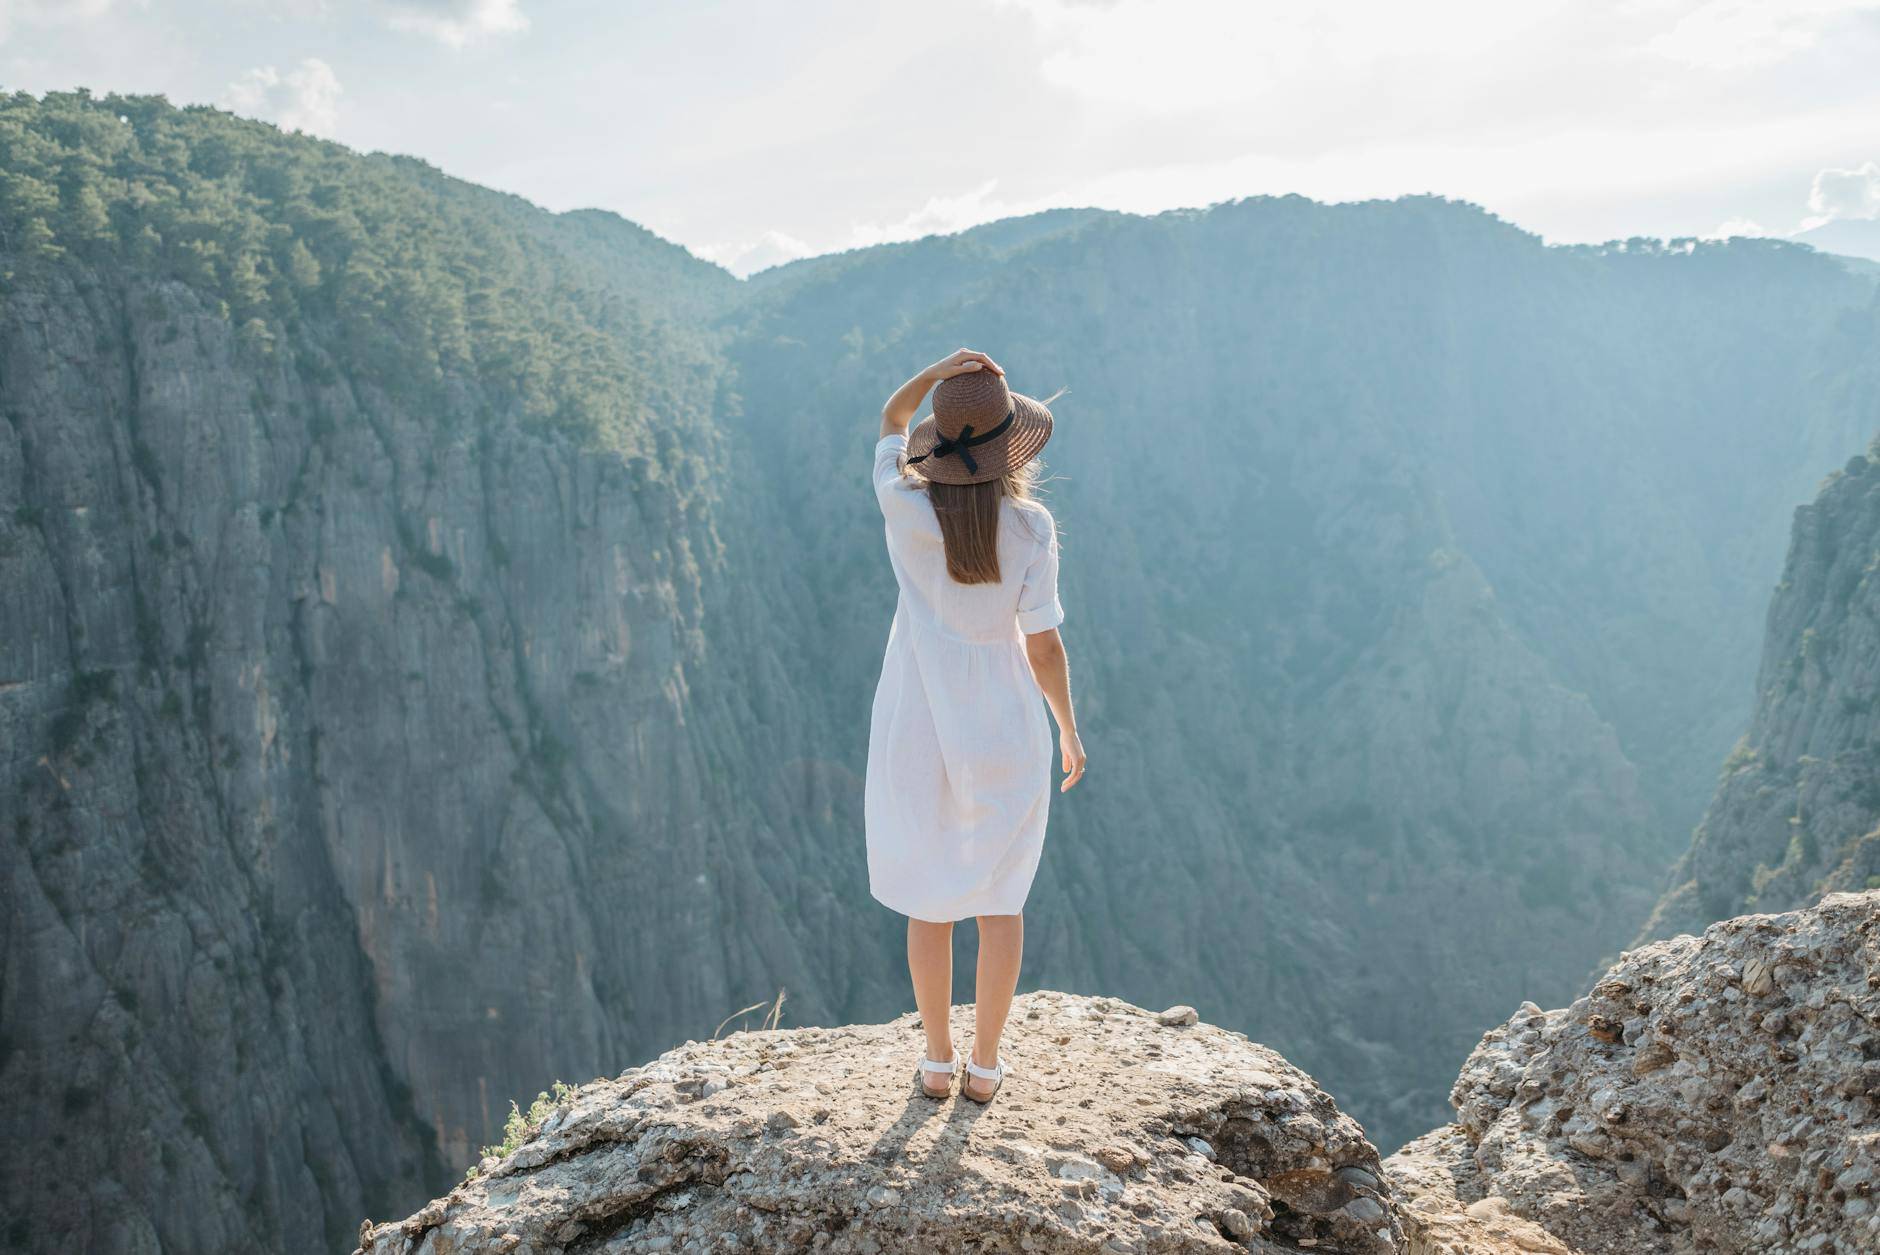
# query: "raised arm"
{"type": "Point", "coordinates": [902, 406]}
{"type": "Point", "coordinates": [1052, 668]}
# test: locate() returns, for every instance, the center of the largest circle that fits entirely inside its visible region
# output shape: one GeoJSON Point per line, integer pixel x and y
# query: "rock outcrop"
{"type": "Point", "coordinates": [1119, 1131]}
{"type": "Point", "coordinates": [1712, 1094]}
{"type": "Point", "coordinates": [1797, 810]}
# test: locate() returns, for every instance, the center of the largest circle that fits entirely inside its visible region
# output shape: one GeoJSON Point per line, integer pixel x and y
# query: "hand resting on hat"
{"type": "Point", "coordinates": [959, 362]}
{"type": "Point", "coordinates": [902, 406]}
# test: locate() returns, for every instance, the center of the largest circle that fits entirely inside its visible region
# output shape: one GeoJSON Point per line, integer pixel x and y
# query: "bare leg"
{"type": "Point", "coordinates": [1001, 947]}
{"type": "Point", "coordinates": [930, 963]}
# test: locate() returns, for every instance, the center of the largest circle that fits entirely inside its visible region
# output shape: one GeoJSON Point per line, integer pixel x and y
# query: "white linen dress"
{"type": "Point", "coordinates": [959, 744]}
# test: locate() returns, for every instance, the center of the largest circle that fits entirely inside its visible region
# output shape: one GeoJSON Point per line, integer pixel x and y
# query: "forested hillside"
{"type": "Point", "coordinates": [435, 650]}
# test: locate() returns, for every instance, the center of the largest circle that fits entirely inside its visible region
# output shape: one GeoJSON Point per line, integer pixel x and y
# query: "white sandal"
{"type": "Point", "coordinates": [996, 1074]}
{"type": "Point", "coordinates": [950, 1069]}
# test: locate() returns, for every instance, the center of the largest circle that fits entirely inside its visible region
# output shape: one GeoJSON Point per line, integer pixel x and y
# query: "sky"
{"type": "Point", "coordinates": [753, 133]}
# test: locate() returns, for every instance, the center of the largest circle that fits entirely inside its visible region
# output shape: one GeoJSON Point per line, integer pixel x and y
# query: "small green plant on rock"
{"type": "Point", "coordinates": [523, 1125]}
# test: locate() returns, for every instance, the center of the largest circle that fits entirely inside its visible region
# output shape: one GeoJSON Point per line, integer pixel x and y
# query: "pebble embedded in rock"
{"type": "Point", "coordinates": [1178, 1017]}
{"type": "Point", "coordinates": [1358, 1177]}
{"type": "Point", "coordinates": [1235, 1224]}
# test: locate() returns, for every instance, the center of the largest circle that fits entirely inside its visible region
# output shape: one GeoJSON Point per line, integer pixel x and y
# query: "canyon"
{"type": "Point", "coordinates": [434, 654]}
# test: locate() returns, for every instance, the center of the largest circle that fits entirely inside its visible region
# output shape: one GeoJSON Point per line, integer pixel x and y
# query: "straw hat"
{"type": "Point", "coordinates": [979, 430]}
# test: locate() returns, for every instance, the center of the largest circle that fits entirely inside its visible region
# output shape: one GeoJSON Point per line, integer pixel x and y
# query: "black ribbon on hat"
{"type": "Point", "coordinates": [963, 443]}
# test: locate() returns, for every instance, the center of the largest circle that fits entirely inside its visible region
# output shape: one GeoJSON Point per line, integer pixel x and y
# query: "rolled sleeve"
{"type": "Point", "coordinates": [1042, 618]}
{"type": "Point", "coordinates": [889, 451]}
{"type": "Point", "coordinates": [1039, 609]}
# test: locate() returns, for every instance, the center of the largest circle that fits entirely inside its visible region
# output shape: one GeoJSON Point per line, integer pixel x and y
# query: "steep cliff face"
{"type": "Point", "coordinates": [295, 682]}
{"type": "Point", "coordinates": [1797, 810]}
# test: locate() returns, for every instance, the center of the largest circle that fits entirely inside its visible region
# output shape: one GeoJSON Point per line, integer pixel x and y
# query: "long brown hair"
{"type": "Point", "coordinates": [969, 521]}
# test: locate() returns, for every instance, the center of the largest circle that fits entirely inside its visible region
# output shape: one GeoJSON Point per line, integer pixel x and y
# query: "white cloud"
{"type": "Point", "coordinates": [457, 22]}
{"type": "Point", "coordinates": [1161, 57]}
{"type": "Point", "coordinates": [941, 215]}
{"type": "Point", "coordinates": [1571, 113]}
{"type": "Point", "coordinates": [746, 257]}
{"type": "Point", "coordinates": [49, 13]}
{"type": "Point", "coordinates": [1844, 194]}
{"type": "Point", "coordinates": [306, 98]}
{"type": "Point", "coordinates": [1739, 34]}
{"type": "Point", "coordinates": [1737, 228]}
{"type": "Point", "coordinates": [52, 10]}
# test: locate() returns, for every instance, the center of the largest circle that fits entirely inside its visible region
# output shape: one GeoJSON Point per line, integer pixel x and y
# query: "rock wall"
{"type": "Point", "coordinates": [335, 733]}
{"type": "Point", "coordinates": [1711, 1094]}
{"type": "Point", "coordinates": [1797, 809]}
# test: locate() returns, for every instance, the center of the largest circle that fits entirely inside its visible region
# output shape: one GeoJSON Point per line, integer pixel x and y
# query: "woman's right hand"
{"type": "Point", "coordinates": [905, 403]}
{"type": "Point", "coordinates": [1071, 749]}
{"type": "Point", "coordinates": [961, 362]}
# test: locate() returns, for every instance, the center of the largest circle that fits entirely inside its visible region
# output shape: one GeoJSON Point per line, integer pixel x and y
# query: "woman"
{"type": "Point", "coordinates": [959, 753]}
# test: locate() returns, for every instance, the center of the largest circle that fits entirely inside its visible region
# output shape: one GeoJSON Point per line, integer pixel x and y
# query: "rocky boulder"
{"type": "Point", "coordinates": [1712, 1094]}
{"type": "Point", "coordinates": [1120, 1130]}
